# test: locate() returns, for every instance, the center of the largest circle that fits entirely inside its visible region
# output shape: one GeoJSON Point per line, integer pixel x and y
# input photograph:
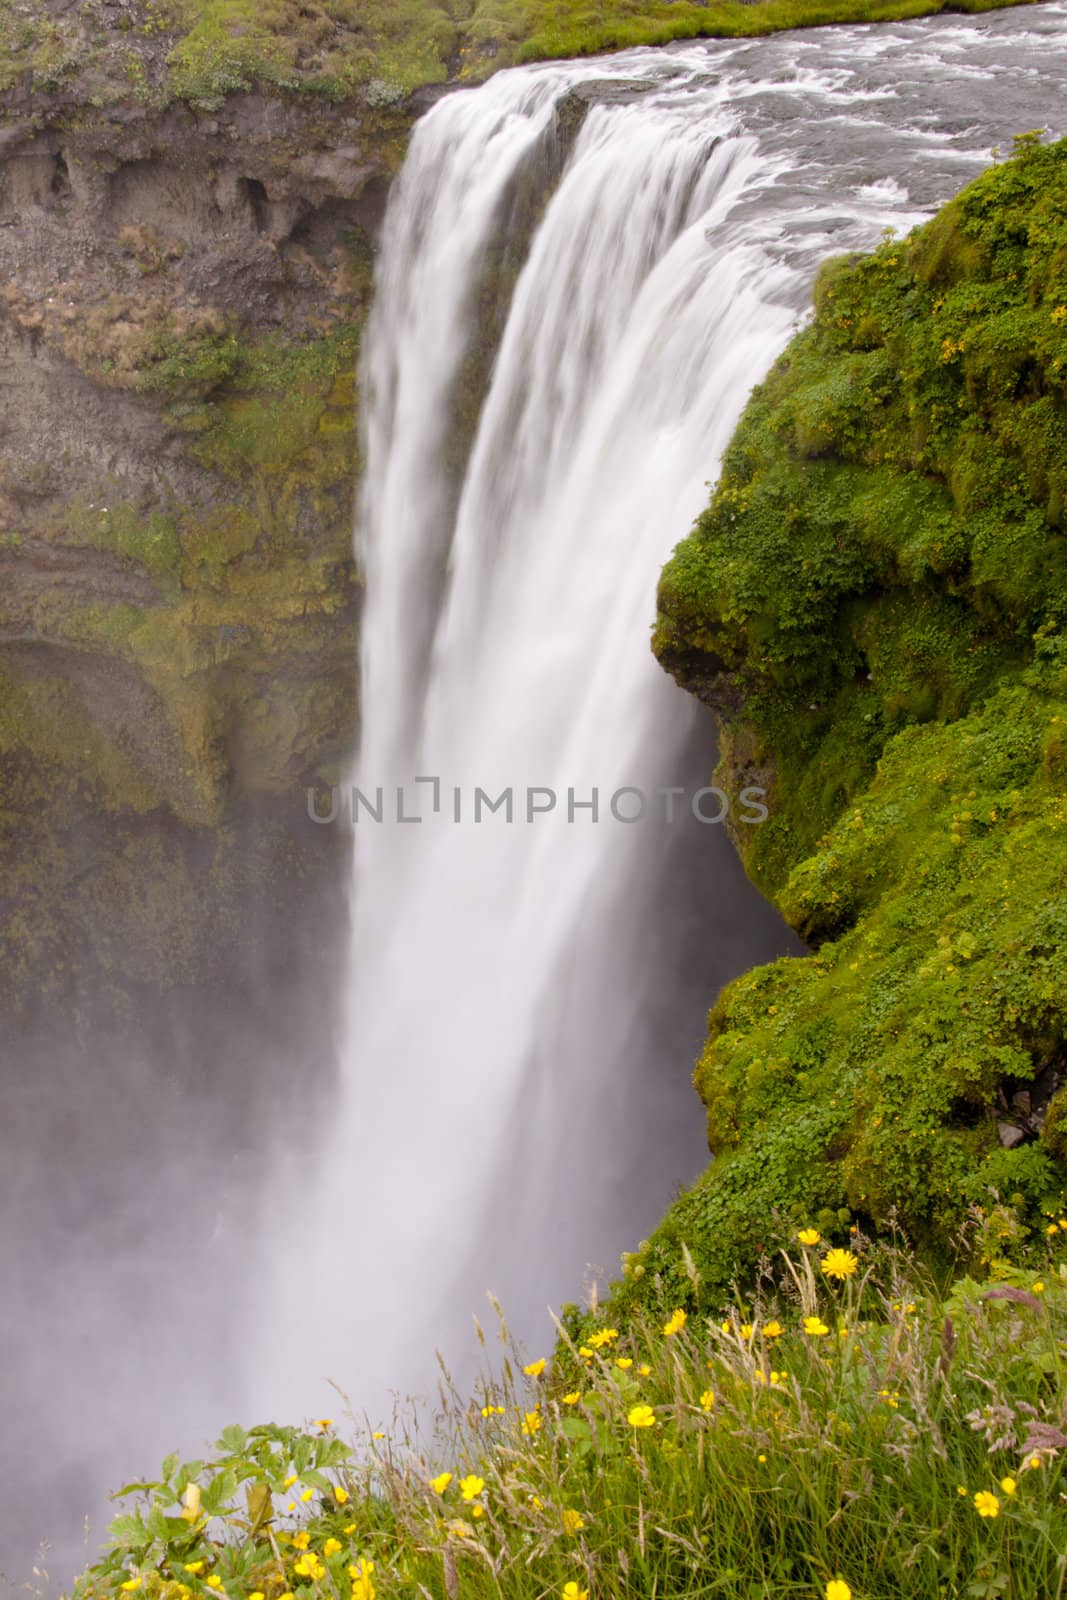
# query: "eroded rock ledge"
{"type": "Point", "coordinates": [181, 298]}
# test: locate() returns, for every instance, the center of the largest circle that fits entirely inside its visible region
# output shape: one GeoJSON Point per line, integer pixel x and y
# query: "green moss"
{"type": "Point", "coordinates": [882, 578]}
{"type": "Point", "coordinates": [377, 50]}
{"type": "Point", "coordinates": [535, 30]}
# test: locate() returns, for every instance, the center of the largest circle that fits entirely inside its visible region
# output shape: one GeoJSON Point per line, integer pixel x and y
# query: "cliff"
{"type": "Point", "coordinates": [179, 324]}
{"type": "Point", "coordinates": [874, 603]}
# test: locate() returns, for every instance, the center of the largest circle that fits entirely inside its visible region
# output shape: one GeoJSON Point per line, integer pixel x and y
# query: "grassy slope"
{"type": "Point", "coordinates": [200, 50]}
{"type": "Point", "coordinates": [808, 1447]}
{"type": "Point", "coordinates": [882, 574]}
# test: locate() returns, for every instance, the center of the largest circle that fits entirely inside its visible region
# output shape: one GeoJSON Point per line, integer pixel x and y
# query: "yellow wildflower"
{"type": "Point", "coordinates": [961, 1491]}
{"type": "Point", "coordinates": [340, 1495]}
{"type": "Point", "coordinates": [307, 1566]}
{"type": "Point", "coordinates": [214, 1582]}
{"type": "Point", "coordinates": [604, 1336]}
{"type": "Point", "coordinates": [287, 1483]}
{"type": "Point", "coordinates": [323, 1423]}
{"type": "Point", "coordinates": [1008, 1485]}
{"type": "Point", "coordinates": [815, 1327]}
{"type": "Point", "coordinates": [761, 1459]}
{"type": "Point", "coordinates": [531, 1423]}
{"type": "Point", "coordinates": [772, 1330]}
{"type": "Point", "coordinates": [573, 1521]}
{"type": "Point", "coordinates": [1037, 1288]}
{"type": "Point", "coordinates": [441, 1482]}
{"type": "Point", "coordinates": [492, 1411]}
{"type": "Point", "coordinates": [307, 1495]}
{"type": "Point", "coordinates": [362, 1581]}
{"type": "Point", "coordinates": [641, 1417]}
{"type": "Point", "coordinates": [571, 1399]}
{"type": "Point", "coordinates": [624, 1363]}
{"type": "Point", "coordinates": [839, 1264]}
{"type": "Point", "coordinates": [130, 1584]}
{"type": "Point", "coordinates": [301, 1540]}
{"type": "Point", "coordinates": [674, 1324]}
{"type": "Point", "coordinates": [535, 1368]}
{"type": "Point", "coordinates": [471, 1487]}
{"type": "Point", "coordinates": [986, 1504]}
{"type": "Point", "coordinates": [585, 1352]}
{"type": "Point", "coordinates": [378, 1435]}
{"type": "Point", "coordinates": [644, 1370]}
{"type": "Point", "coordinates": [1034, 1461]}
{"type": "Point", "coordinates": [194, 1567]}
{"type": "Point", "coordinates": [838, 1589]}
{"type": "Point", "coordinates": [809, 1236]}
{"type": "Point", "coordinates": [571, 1591]}
{"type": "Point", "coordinates": [477, 1510]}
{"type": "Point", "coordinates": [349, 1527]}
{"type": "Point", "coordinates": [331, 1547]}
{"type": "Point", "coordinates": [707, 1399]}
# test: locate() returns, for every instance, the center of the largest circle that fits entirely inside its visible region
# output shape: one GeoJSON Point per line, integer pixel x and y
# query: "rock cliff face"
{"type": "Point", "coordinates": [181, 294]}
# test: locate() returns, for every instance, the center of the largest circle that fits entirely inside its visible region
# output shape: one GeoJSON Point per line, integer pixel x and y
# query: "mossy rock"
{"type": "Point", "coordinates": [876, 605]}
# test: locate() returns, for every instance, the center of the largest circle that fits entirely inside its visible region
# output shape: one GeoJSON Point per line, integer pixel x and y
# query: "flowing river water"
{"type": "Point", "coordinates": [585, 268]}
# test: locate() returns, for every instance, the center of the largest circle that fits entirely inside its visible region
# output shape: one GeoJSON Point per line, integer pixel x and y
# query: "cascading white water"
{"type": "Point", "coordinates": [502, 1080]}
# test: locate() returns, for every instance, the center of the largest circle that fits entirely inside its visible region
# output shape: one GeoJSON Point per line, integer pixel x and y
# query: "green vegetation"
{"type": "Point", "coordinates": [882, 579]}
{"type": "Point", "coordinates": [203, 50]}
{"type": "Point", "coordinates": [538, 30]}
{"type": "Point", "coordinates": [841, 1433]}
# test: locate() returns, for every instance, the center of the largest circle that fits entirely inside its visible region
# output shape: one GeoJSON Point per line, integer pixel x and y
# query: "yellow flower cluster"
{"type": "Point", "coordinates": [361, 1574]}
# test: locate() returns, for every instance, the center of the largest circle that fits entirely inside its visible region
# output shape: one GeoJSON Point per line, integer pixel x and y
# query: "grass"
{"type": "Point", "coordinates": [882, 576]}
{"type": "Point", "coordinates": [379, 50]}
{"type": "Point", "coordinates": [839, 1432]}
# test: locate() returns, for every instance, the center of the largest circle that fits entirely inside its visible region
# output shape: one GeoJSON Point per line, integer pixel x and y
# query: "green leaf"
{"type": "Point", "coordinates": [128, 1532]}
{"type": "Point", "coordinates": [334, 1453]}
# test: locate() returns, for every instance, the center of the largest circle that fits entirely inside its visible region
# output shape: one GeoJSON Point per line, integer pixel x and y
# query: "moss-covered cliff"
{"type": "Point", "coordinates": [876, 605]}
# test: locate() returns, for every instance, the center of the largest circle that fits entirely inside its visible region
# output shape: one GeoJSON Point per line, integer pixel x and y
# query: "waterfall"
{"type": "Point", "coordinates": [585, 269]}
